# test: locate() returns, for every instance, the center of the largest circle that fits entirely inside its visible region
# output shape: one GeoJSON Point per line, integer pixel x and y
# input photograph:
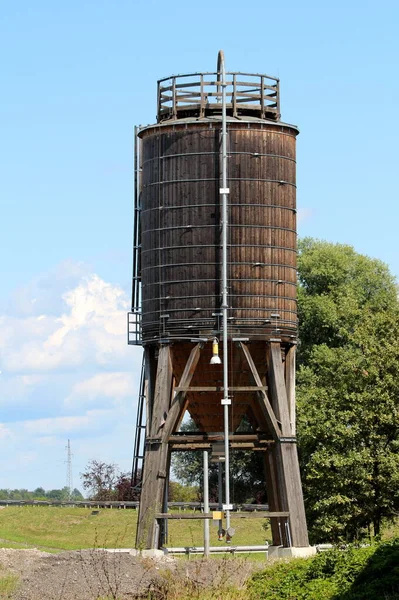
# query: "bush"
{"type": "Point", "coordinates": [351, 574]}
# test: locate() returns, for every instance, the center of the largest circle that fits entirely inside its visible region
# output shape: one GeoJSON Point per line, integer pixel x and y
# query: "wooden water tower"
{"type": "Point", "coordinates": [215, 262]}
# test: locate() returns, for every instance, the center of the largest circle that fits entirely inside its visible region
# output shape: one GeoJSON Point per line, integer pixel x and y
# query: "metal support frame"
{"type": "Point", "coordinates": [206, 502]}
{"type": "Point", "coordinates": [224, 193]}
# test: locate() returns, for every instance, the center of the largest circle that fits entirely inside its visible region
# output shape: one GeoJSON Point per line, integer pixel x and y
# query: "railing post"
{"type": "Point", "coordinates": [174, 98]}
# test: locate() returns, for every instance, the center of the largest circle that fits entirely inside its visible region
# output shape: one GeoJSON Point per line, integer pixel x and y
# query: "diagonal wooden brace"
{"type": "Point", "coordinates": [265, 405]}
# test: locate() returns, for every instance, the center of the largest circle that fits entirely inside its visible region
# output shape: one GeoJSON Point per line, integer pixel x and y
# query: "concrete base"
{"type": "Point", "coordinates": [275, 552]}
{"type": "Point", "coordinates": [152, 553]}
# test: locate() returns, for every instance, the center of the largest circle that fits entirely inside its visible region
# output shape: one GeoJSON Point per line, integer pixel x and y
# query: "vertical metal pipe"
{"type": "Point", "coordinates": [206, 503]}
{"type": "Point", "coordinates": [165, 531]}
{"type": "Point", "coordinates": [220, 493]}
{"type": "Point", "coordinates": [224, 193]}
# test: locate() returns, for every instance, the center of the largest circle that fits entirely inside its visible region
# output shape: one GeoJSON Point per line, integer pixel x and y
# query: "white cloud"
{"type": "Point", "coordinates": [91, 331]}
{"type": "Point", "coordinates": [67, 425]}
{"type": "Point", "coordinates": [115, 385]}
{"type": "Point", "coordinates": [66, 373]}
{"type": "Point", "coordinates": [4, 432]}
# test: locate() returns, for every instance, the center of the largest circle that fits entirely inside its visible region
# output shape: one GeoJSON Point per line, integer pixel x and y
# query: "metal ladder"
{"type": "Point", "coordinates": [139, 438]}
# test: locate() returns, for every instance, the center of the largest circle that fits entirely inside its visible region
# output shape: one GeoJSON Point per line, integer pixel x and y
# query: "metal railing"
{"type": "Point", "coordinates": [134, 328]}
{"type": "Point", "coordinates": [200, 95]}
{"type": "Point", "coordinates": [130, 504]}
{"type": "Point", "coordinates": [134, 316]}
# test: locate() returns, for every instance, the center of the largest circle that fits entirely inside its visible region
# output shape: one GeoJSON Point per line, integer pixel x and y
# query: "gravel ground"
{"type": "Point", "coordinates": [93, 574]}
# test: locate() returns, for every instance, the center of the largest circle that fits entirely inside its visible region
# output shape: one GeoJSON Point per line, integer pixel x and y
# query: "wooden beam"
{"type": "Point", "coordinates": [178, 404]}
{"type": "Point", "coordinates": [264, 400]}
{"type": "Point", "coordinates": [219, 437]}
{"type": "Point", "coordinates": [284, 456]}
{"type": "Point", "coordinates": [156, 456]}
{"type": "Point", "coordinates": [278, 389]}
{"type": "Point", "coordinates": [245, 388]}
{"type": "Point", "coordinates": [176, 447]}
{"type": "Point", "coordinates": [290, 360]}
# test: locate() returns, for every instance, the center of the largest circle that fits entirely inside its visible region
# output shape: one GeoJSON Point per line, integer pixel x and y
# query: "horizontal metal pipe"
{"type": "Point", "coordinates": [207, 205]}
{"type": "Point", "coordinates": [231, 264]}
{"type": "Point", "coordinates": [278, 127]}
{"type": "Point", "coordinates": [208, 226]}
{"type": "Point", "coordinates": [202, 179]}
{"type": "Point", "coordinates": [216, 549]}
{"type": "Point", "coordinates": [199, 73]}
{"type": "Point", "coordinates": [255, 279]}
{"type": "Point", "coordinates": [254, 154]}
{"type": "Point", "coordinates": [267, 246]}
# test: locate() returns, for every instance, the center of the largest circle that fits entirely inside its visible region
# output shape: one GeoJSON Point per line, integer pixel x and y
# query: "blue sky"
{"type": "Point", "coordinates": [75, 79]}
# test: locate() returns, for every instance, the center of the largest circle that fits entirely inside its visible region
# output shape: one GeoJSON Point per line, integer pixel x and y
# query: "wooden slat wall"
{"type": "Point", "coordinates": [181, 229]}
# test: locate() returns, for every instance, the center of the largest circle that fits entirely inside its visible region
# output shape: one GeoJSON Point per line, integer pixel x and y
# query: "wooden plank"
{"type": "Point", "coordinates": [178, 404]}
{"type": "Point", "coordinates": [245, 388]}
{"type": "Point", "coordinates": [178, 447]}
{"type": "Point", "coordinates": [285, 456]}
{"type": "Point", "coordinates": [278, 389]}
{"type": "Point", "coordinates": [162, 392]}
{"type": "Point", "coordinates": [264, 400]}
{"type": "Point", "coordinates": [290, 360]}
{"type": "Point", "coordinates": [272, 495]}
{"type": "Point", "coordinates": [150, 378]}
{"type": "Point", "coordinates": [210, 437]}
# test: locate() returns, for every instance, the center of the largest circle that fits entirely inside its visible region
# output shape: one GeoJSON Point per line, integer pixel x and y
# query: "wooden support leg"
{"type": "Point", "coordinates": [273, 499]}
{"type": "Point", "coordinates": [290, 360]}
{"type": "Point", "coordinates": [156, 457]}
{"type": "Point", "coordinates": [285, 454]}
{"type": "Point", "coordinates": [166, 414]}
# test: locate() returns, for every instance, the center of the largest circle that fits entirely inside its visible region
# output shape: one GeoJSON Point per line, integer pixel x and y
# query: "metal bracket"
{"type": "Point", "coordinates": [151, 441]}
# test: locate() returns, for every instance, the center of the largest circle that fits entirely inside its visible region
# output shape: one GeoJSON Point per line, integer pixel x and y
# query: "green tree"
{"type": "Point", "coordinates": [76, 495]}
{"type": "Point", "coordinates": [246, 470]}
{"type": "Point", "coordinates": [348, 390]}
{"type": "Point", "coordinates": [59, 495]}
{"type": "Point", "coordinates": [182, 493]}
{"type": "Point", "coordinates": [39, 493]}
{"type": "Point", "coordinates": [100, 479]}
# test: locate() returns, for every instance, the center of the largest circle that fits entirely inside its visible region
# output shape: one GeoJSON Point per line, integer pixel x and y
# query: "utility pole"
{"type": "Point", "coordinates": [68, 461]}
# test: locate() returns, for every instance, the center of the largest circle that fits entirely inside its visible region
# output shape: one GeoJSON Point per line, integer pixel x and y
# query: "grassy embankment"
{"type": "Point", "coordinates": [355, 574]}
{"type": "Point", "coordinates": [61, 528]}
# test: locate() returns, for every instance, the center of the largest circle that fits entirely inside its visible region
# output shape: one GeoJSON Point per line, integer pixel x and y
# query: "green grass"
{"type": "Point", "coordinates": [190, 533]}
{"type": "Point", "coordinates": [8, 584]}
{"type": "Point", "coordinates": [61, 528]}
{"type": "Point", "coordinates": [67, 528]}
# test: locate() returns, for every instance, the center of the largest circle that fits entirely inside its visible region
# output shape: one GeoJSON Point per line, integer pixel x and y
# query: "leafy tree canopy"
{"type": "Point", "coordinates": [348, 390]}
{"type": "Point", "coordinates": [347, 395]}
{"type": "Point", "coordinates": [246, 469]}
{"type": "Point", "coordinates": [100, 479]}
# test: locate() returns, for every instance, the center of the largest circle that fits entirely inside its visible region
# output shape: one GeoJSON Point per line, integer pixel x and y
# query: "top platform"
{"type": "Point", "coordinates": [199, 95]}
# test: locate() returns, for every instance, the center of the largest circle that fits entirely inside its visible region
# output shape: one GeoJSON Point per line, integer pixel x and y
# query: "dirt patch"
{"type": "Point", "coordinates": [93, 574]}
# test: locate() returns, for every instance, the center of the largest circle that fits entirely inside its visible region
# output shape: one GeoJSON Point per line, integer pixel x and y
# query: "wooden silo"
{"type": "Point", "coordinates": [177, 283]}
